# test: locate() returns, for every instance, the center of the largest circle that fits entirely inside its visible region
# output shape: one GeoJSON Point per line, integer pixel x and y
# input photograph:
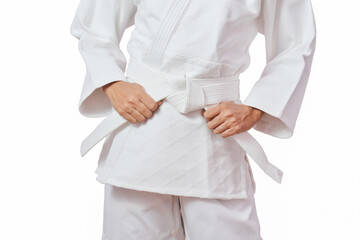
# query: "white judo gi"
{"type": "Point", "coordinates": [190, 53]}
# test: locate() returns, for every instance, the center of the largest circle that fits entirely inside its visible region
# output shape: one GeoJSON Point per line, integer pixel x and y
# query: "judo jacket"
{"type": "Point", "coordinates": [191, 53]}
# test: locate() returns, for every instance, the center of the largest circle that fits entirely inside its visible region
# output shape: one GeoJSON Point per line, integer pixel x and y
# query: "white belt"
{"type": "Point", "coordinates": [186, 95]}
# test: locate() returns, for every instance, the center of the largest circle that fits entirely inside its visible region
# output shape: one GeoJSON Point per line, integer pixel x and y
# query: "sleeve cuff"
{"type": "Point", "coordinates": [273, 122]}
{"type": "Point", "coordinates": [94, 103]}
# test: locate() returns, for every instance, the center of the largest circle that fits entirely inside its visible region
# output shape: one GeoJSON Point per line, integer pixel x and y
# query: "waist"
{"type": "Point", "coordinates": [185, 93]}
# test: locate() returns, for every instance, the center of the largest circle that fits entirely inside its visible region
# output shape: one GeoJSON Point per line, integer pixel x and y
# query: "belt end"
{"type": "Point", "coordinates": [83, 149]}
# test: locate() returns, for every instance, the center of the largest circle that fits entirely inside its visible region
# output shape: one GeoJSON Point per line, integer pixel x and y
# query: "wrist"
{"type": "Point", "coordinates": [111, 83]}
{"type": "Point", "coordinates": [256, 112]}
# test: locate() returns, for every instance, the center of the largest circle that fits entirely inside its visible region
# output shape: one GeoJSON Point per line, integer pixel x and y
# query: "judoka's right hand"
{"type": "Point", "coordinates": [130, 100]}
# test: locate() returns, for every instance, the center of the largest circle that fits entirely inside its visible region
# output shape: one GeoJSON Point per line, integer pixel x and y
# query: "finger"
{"type": "Point", "coordinates": [221, 128]}
{"type": "Point", "coordinates": [212, 112]}
{"type": "Point", "coordinates": [137, 115]}
{"type": "Point", "coordinates": [128, 117]}
{"type": "Point", "coordinates": [227, 133]}
{"type": "Point", "coordinates": [215, 122]}
{"type": "Point", "coordinates": [149, 102]}
{"type": "Point", "coordinates": [143, 109]}
{"type": "Point", "coordinates": [202, 112]}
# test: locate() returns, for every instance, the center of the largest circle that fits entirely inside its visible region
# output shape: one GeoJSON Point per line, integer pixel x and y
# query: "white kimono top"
{"type": "Point", "coordinates": [196, 50]}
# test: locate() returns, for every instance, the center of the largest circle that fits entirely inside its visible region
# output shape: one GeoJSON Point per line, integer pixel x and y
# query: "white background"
{"type": "Point", "coordinates": [49, 192]}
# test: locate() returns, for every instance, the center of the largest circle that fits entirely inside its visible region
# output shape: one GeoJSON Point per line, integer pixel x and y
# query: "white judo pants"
{"type": "Point", "coordinates": [140, 215]}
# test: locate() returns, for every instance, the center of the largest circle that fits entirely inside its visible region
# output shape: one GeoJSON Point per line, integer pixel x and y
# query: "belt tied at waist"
{"type": "Point", "coordinates": [185, 95]}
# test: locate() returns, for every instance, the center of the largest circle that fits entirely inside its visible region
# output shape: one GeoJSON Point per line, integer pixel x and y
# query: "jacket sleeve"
{"type": "Point", "coordinates": [290, 38]}
{"type": "Point", "coordinates": [99, 26]}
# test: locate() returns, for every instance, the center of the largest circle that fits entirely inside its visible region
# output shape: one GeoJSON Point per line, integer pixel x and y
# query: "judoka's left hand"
{"type": "Point", "coordinates": [229, 118]}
